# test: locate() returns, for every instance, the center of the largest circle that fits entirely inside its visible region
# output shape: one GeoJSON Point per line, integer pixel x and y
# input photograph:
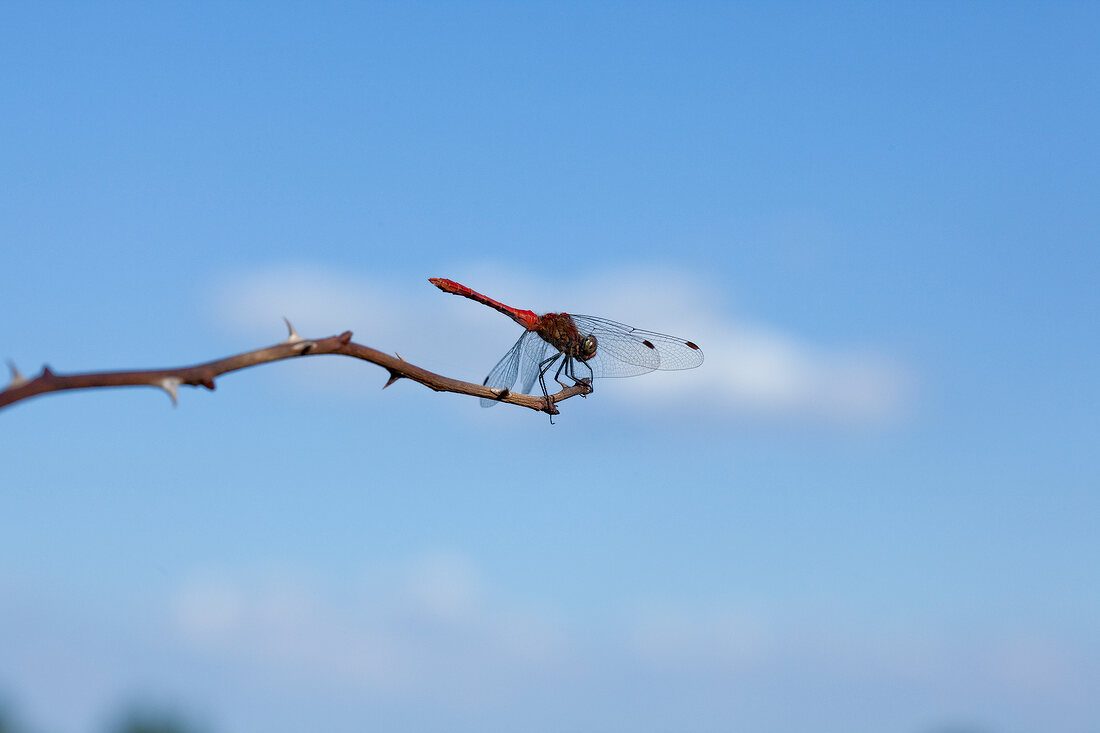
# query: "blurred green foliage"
{"type": "Point", "coordinates": [136, 721]}
{"type": "Point", "coordinates": [145, 721]}
{"type": "Point", "coordinates": [7, 720]}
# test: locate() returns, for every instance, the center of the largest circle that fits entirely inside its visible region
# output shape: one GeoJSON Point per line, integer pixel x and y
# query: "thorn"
{"type": "Point", "coordinates": [305, 347]}
{"type": "Point", "coordinates": [399, 356]}
{"type": "Point", "coordinates": [208, 383]}
{"type": "Point", "coordinates": [171, 386]}
{"type": "Point", "coordinates": [293, 338]}
{"type": "Point", "coordinates": [17, 379]}
{"type": "Point", "coordinates": [394, 376]}
{"type": "Point", "coordinates": [345, 338]}
{"type": "Point", "coordinates": [500, 393]}
{"type": "Point", "coordinates": [46, 371]}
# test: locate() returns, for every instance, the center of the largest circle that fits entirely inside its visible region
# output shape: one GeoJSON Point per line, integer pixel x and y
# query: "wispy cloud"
{"type": "Point", "coordinates": [427, 628]}
{"type": "Point", "coordinates": [432, 642]}
{"type": "Point", "coordinates": [435, 633]}
{"type": "Point", "coordinates": [750, 369]}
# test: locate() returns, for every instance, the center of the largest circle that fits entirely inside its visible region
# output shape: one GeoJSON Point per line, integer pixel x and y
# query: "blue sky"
{"type": "Point", "coordinates": [873, 508]}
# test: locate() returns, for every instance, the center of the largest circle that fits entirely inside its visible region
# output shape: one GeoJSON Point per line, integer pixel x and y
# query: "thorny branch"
{"type": "Point", "coordinates": [203, 375]}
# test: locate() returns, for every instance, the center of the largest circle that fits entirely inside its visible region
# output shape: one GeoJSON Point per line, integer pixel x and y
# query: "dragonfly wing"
{"type": "Point", "coordinates": [536, 350]}
{"type": "Point", "coordinates": [520, 363]}
{"type": "Point", "coordinates": [623, 351]}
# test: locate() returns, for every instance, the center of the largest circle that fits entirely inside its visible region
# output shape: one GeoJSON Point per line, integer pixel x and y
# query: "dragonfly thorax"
{"type": "Point", "coordinates": [559, 330]}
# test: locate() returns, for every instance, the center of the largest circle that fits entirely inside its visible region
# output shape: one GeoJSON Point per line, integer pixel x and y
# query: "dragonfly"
{"type": "Point", "coordinates": [586, 345]}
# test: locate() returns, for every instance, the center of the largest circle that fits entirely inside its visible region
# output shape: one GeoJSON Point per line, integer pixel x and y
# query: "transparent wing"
{"type": "Point", "coordinates": [521, 364]}
{"type": "Point", "coordinates": [537, 350]}
{"type": "Point", "coordinates": [623, 351]}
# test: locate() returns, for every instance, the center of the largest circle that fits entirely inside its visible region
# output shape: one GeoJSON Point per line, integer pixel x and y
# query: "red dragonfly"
{"type": "Point", "coordinates": [604, 348]}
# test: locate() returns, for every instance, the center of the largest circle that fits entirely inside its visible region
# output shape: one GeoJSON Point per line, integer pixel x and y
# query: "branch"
{"type": "Point", "coordinates": [203, 375]}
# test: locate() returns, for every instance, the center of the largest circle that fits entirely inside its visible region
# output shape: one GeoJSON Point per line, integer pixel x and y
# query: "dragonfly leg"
{"type": "Point", "coordinates": [544, 366]}
{"type": "Point", "coordinates": [573, 375]}
{"type": "Point", "coordinates": [557, 376]}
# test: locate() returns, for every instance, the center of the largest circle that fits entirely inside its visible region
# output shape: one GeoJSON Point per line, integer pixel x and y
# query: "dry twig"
{"type": "Point", "coordinates": [203, 375]}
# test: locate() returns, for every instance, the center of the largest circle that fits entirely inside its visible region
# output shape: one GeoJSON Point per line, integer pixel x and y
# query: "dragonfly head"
{"type": "Point", "coordinates": [588, 348]}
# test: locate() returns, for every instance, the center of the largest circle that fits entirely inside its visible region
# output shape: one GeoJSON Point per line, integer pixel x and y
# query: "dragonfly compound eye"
{"type": "Point", "coordinates": [588, 347]}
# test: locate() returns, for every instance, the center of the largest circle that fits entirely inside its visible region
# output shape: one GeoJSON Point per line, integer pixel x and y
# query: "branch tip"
{"type": "Point", "coordinates": [171, 385]}
{"type": "Point", "coordinates": [345, 338]}
{"type": "Point", "coordinates": [292, 337]}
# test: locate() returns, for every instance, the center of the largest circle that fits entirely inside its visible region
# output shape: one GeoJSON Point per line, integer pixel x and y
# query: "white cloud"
{"type": "Point", "coordinates": [733, 638]}
{"type": "Point", "coordinates": [434, 634]}
{"type": "Point", "coordinates": [208, 609]}
{"type": "Point", "coordinates": [445, 586]}
{"type": "Point", "coordinates": [433, 644]}
{"type": "Point", "coordinates": [750, 368]}
{"type": "Point", "coordinates": [423, 628]}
